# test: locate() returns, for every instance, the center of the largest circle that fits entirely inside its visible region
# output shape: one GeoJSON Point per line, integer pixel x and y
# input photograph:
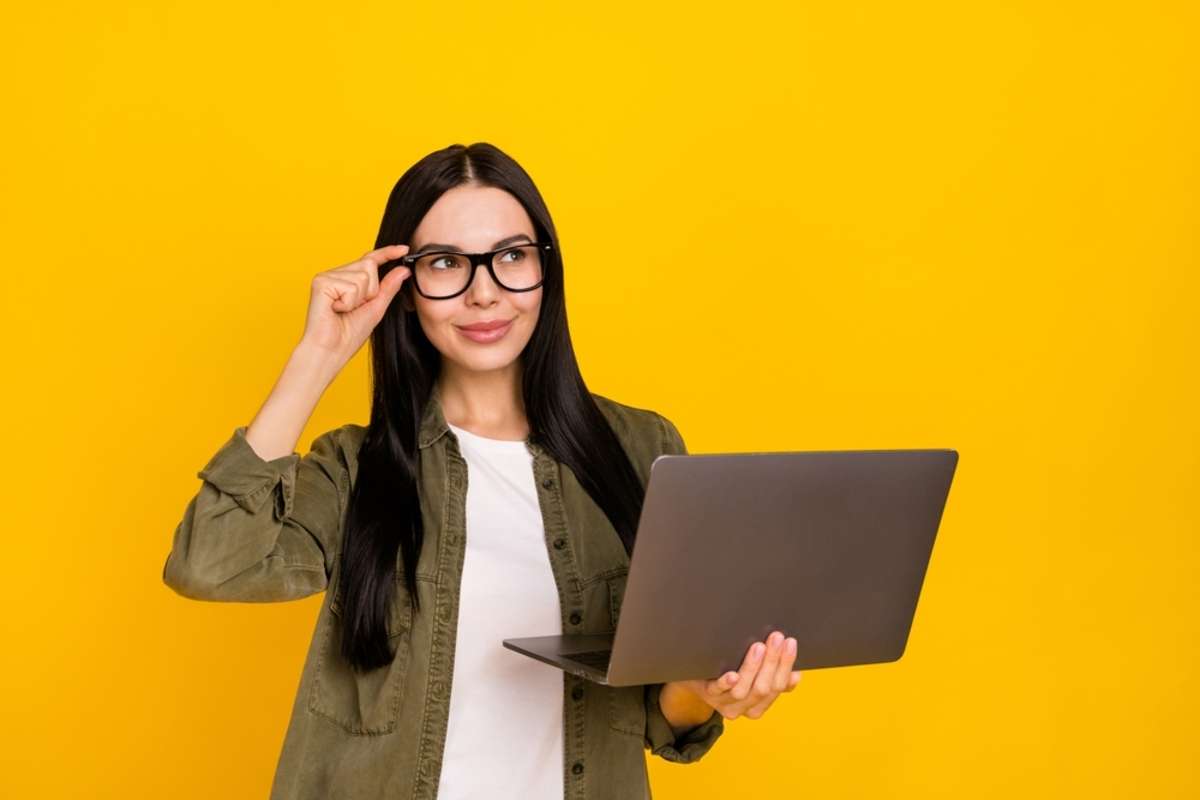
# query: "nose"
{"type": "Point", "coordinates": [482, 289]}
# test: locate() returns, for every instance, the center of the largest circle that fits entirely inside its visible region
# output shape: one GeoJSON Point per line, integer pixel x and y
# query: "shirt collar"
{"type": "Point", "coordinates": [433, 422]}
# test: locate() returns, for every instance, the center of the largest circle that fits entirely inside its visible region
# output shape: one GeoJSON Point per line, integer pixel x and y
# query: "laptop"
{"type": "Point", "coordinates": [830, 547]}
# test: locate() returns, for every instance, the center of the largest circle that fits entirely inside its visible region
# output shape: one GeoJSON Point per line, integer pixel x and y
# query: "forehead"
{"type": "Point", "coordinates": [473, 218]}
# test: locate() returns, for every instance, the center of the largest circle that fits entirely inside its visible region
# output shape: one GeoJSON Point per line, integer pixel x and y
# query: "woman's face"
{"type": "Point", "coordinates": [476, 219]}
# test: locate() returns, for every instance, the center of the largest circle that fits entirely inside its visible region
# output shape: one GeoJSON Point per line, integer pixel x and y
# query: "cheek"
{"type": "Point", "coordinates": [531, 306]}
{"type": "Point", "coordinates": [433, 312]}
{"type": "Point", "coordinates": [434, 322]}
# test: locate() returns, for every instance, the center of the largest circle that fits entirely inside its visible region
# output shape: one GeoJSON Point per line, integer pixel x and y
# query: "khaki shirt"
{"type": "Point", "coordinates": [263, 531]}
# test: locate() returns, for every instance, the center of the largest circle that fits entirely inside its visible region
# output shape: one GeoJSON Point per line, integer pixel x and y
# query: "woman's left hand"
{"type": "Point", "coordinates": [766, 672]}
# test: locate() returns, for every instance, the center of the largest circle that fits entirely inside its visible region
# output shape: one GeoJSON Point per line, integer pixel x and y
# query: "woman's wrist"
{"type": "Point", "coordinates": [682, 707]}
{"type": "Point", "coordinates": [316, 362]}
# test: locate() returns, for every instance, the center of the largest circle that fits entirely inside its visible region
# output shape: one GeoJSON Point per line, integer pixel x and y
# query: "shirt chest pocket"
{"type": "Point", "coordinates": [626, 704]}
{"type": "Point", "coordinates": [361, 703]}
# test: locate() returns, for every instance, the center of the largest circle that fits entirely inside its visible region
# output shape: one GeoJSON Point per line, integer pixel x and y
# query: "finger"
{"type": "Point", "coordinates": [787, 660]}
{"type": "Point", "coordinates": [362, 274]}
{"type": "Point", "coordinates": [745, 679]}
{"type": "Point", "coordinates": [371, 270]}
{"type": "Point", "coordinates": [386, 253]}
{"type": "Point", "coordinates": [765, 679]}
{"type": "Point", "coordinates": [758, 709]}
{"type": "Point", "coordinates": [343, 292]}
{"type": "Point", "coordinates": [714, 689]}
{"type": "Point", "coordinates": [793, 680]}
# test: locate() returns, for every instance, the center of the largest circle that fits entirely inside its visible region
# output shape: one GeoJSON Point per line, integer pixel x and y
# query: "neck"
{"type": "Point", "coordinates": [487, 402]}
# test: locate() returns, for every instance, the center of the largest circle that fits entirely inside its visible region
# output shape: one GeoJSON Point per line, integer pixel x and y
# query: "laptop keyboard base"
{"type": "Point", "coordinates": [593, 658]}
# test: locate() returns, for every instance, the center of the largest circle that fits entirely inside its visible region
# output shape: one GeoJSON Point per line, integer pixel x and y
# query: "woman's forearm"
{"type": "Point", "coordinates": [275, 430]}
{"type": "Point", "coordinates": [682, 708]}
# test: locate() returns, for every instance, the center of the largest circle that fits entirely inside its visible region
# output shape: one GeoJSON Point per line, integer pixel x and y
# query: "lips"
{"type": "Point", "coordinates": [485, 332]}
{"type": "Point", "coordinates": [487, 325]}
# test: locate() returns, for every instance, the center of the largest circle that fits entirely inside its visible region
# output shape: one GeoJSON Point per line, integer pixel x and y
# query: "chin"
{"type": "Point", "coordinates": [486, 363]}
{"type": "Point", "coordinates": [482, 358]}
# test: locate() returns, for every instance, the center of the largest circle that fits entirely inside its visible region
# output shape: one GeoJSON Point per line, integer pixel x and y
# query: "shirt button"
{"type": "Point", "coordinates": [559, 544]}
{"type": "Point", "coordinates": [576, 618]}
{"type": "Point", "coordinates": [548, 483]}
{"type": "Point", "coordinates": [577, 693]}
{"type": "Point", "coordinates": [577, 768]}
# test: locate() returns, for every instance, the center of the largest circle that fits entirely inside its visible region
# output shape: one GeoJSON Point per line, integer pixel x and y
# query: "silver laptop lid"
{"type": "Point", "coordinates": [828, 546]}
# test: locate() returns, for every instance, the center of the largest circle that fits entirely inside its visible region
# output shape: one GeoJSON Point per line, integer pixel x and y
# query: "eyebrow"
{"type": "Point", "coordinates": [456, 249]}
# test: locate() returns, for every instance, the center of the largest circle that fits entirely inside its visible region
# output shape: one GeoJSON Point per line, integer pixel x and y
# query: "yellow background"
{"type": "Point", "coordinates": [786, 226]}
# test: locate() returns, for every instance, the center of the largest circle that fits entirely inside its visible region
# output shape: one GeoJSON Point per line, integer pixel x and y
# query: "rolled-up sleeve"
{"type": "Point", "coordinates": [260, 530]}
{"type": "Point", "coordinates": [660, 737]}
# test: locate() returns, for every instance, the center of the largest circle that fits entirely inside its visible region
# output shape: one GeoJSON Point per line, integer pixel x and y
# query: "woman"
{"type": "Point", "coordinates": [406, 690]}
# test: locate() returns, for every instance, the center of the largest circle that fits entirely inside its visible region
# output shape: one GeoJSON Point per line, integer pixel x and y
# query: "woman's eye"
{"type": "Point", "coordinates": [519, 255]}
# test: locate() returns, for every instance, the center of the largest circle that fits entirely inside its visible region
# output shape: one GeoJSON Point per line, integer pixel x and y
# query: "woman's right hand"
{"type": "Point", "coordinates": [347, 302]}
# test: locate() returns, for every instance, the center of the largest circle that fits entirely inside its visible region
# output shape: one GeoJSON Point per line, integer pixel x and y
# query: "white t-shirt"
{"type": "Point", "coordinates": [505, 734]}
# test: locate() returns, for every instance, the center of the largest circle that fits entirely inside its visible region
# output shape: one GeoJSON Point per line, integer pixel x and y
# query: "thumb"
{"type": "Point", "coordinates": [388, 286]}
{"type": "Point", "coordinates": [391, 283]}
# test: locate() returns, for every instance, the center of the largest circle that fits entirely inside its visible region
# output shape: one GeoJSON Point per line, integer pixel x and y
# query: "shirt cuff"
{"type": "Point", "coordinates": [689, 747]}
{"type": "Point", "coordinates": [240, 472]}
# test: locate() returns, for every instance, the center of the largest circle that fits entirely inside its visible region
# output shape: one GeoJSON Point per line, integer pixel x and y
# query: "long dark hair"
{"type": "Point", "coordinates": [384, 515]}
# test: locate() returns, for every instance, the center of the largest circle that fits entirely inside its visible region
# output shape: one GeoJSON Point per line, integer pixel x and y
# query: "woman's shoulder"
{"type": "Point", "coordinates": [639, 424]}
{"type": "Point", "coordinates": [623, 410]}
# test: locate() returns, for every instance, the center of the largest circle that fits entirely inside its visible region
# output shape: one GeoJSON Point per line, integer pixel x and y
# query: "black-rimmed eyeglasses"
{"type": "Point", "coordinates": [440, 275]}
